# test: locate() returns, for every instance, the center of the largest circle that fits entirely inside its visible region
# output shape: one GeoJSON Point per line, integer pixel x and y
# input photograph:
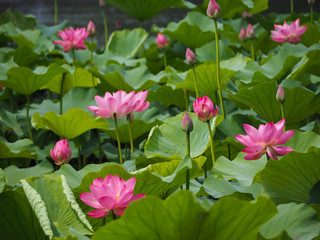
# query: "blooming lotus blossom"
{"type": "Point", "coordinates": [162, 41]}
{"type": "Point", "coordinates": [72, 39]}
{"type": "Point", "coordinates": [265, 139]}
{"type": "Point", "coordinates": [190, 57]}
{"type": "Point", "coordinates": [139, 101]}
{"type": "Point", "coordinates": [111, 193]}
{"type": "Point", "coordinates": [213, 10]}
{"type": "Point", "coordinates": [61, 153]}
{"type": "Point", "coordinates": [205, 109]}
{"type": "Point", "coordinates": [291, 34]}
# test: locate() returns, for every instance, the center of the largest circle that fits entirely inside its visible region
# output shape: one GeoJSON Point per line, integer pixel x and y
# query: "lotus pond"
{"type": "Point", "coordinates": [207, 128]}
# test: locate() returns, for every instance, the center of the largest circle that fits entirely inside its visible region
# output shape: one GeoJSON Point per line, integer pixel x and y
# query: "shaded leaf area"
{"type": "Point", "coordinates": [5, 67]}
{"type": "Point", "coordinates": [194, 30]}
{"type": "Point", "coordinates": [2, 180]}
{"type": "Point", "coordinates": [298, 220]}
{"type": "Point", "coordinates": [291, 178]}
{"type": "Point", "coordinates": [145, 9]}
{"type": "Point", "coordinates": [300, 103]}
{"type": "Point", "coordinates": [181, 216]}
{"type": "Point", "coordinates": [169, 140]}
{"type": "Point", "coordinates": [17, 219]}
{"type": "Point", "coordinates": [69, 125]}
{"type": "Point", "coordinates": [9, 122]}
{"type": "Point", "coordinates": [23, 148]}
{"type": "Point", "coordinates": [55, 220]}
{"type": "Point", "coordinates": [208, 51]}
{"type": "Point", "coordinates": [18, 19]}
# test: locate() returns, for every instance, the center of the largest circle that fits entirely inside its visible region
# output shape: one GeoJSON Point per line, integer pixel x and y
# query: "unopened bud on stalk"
{"type": "Point", "coordinates": [190, 57]}
{"type": "Point", "coordinates": [311, 2]}
{"type": "Point", "coordinates": [61, 153]}
{"type": "Point", "coordinates": [102, 3]}
{"type": "Point", "coordinates": [213, 10]}
{"type": "Point", "coordinates": [162, 41]}
{"type": "Point", "coordinates": [91, 28]}
{"type": "Point", "coordinates": [281, 95]}
{"type": "Point", "coordinates": [187, 124]}
{"type": "Point", "coordinates": [251, 34]}
{"type": "Point", "coordinates": [243, 34]}
{"type": "Point", "coordinates": [118, 25]}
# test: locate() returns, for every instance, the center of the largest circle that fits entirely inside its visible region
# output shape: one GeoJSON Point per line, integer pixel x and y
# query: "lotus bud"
{"type": "Point", "coordinates": [244, 15]}
{"type": "Point", "coordinates": [187, 124]}
{"type": "Point", "coordinates": [311, 2]}
{"type": "Point", "coordinates": [281, 95]}
{"type": "Point", "coordinates": [102, 3]}
{"type": "Point", "coordinates": [61, 153]}
{"type": "Point", "coordinates": [91, 28]}
{"type": "Point", "coordinates": [162, 41]}
{"type": "Point", "coordinates": [213, 10]}
{"type": "Point", "coordinates": [190, 57]}
{"type": "Point", "coordinates": [251, 34]}
{"type": "Point", "coordinates": [243, 34]}
{"type": "Point", "coordinates": [118, 25]}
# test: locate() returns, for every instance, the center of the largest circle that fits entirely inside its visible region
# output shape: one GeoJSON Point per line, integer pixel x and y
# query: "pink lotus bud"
{"type": "Point", "coordinates": [251, 34]}
{"type": "Point", "coordinates": [250, 15]}
{"type": "Point", "coordinates": [213, 10]}
{"type": "Point", "coordinates": [102, 3]}
{"type": "Point", "coordinates": [61, 153]}
{"type": "Point", "coordinates": [243, 34]}
{"type": "Point", "coordinates": [311, 2]}
{"type": "Point", "coordinates": [187, 124]}
{"type": "Point", "coordinates": [244, 14]}
{"type": "Point", "coordinates": [118, 25]}
{"type": "Point", "coordinates": [205, 109]}
{"type": "Point", "coordinates": [281, 95]}
{"type": "Point", "coordinates": [162, 41]}
{"type": "Point", "coordinates": [91, 28]}
{"type": "Point", "coordinates": [190, 57]}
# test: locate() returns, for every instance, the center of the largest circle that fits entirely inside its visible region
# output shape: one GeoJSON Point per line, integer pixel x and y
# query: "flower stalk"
{"type": "Point", "coordinates": [130, 132]}
{"type": "Point", "coordinates": [105, 26]}
{"type": "Point", "coordinates": [211, 144]}
{"type": "Point", "coordinates": [55, 12]}
{"type": "Point", "coordinates": [252, 50]}
{"type": "Point", "coordinates": [118, 138]}
{"type": "Point", "coordinates": [195, 81]}
{"type": "Point", "coordinates": [188, 154]}
{"type": "Point", "coordinates": [61, 93]}
{"type": "Point", "coordinates": [291, 7]}
{"type": "Point", "coordinates": [28, 119]}
{"type": "Point", "coordinates": [186, 96]}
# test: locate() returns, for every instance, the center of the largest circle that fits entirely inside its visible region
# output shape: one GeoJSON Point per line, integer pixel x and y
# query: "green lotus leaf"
{"type": "Point", "coordinates": [2, 180]}
{"type": "Point", "coordinates": [45, 204]}
{"type": "Point", "coordinates": [240, 169]}
{"type": "Point", "coordinates": [20, 54]}
{"type": "Point", "coordinates": [169, 140]}
{"type": "Point", "coordinates": [118, 42]}
{"type": "Point", "coordinates": [291, 178]}
{"type": "Point", "coordinates": [168, 96]}
{"type": "Point", "coordinates": [145, 9]}
{"type": "Point", "coordinates": [5, 67]}
{"type": "Point", "coordinates": [69, 125]}
{"type": "Point", "coordinates": [300, 103]}
{"type": "Point", "coordinates": [25, 81]}
{"type": "Point", "coordinates": [194, 30]}
{"type": "Point", "coordinates": [18, 221]}
{"type": "Point", "coordinates": [299, 221]}
{"type": "Point", "coordinates": [282, 236]}
{"type": "Point", "coordinates": [18, 19]}
{"type": "Point", "coordinates": [311, 35]}
{"type": "Point", "coordinates": [208, 51]}
{"type": "Point", "coordinates": [9, 121]}
{"type": "Point", "coordinates": [151, 218]}
{"type": "Point", "coordinates": [50, 31]}
{"type": "Point", "coordinates": [303, 141]}
{"type": "Point", "coordinates": [23, 148]}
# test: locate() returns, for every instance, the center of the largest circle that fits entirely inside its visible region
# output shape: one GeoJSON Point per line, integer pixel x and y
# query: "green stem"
{"type": "Point", "coordinates": [118, 138]}
{"type": "Point", "coordinates": [73, 57]}
{"type": "Point", "coordinates": [228, 150]}
{"type": "Point", "coordinates": [311, 14]}
{"type": "Point", "coordinates": [186, 96]}
{"type": "Point", "coordinates": [91, 55]}
{"type": "Point", "coordinates": [282, 114]}
{"type": "Point", "coordinates": [28, 119]}
{"type": "Point", "coordinates": [211, 145]}
{"type": "Point", "coordinates": [218, 67]}
{"type": "Point", "coordinates": [11, 100]}
{"type": "Point", "coordinates": [130, 132]}
{"type": "Point", "coordinates": [292, 12]}
{"type": "Point", "coordinates": [188, 154]}
{"type": "Point", "coordinates": [79, 157]}
{"type": "Point", "coordinates": [99, 143]}
{"type": "Point", "coordinates": [195, 81]}
{"type": "Point", "coordinates": [205, 170]}
{"type": "Point", "coordinates": [104, 221]}
{"type": "Point", "coordinates": [164, 58]}
{"type": "Point", "coordinates": [252, 50]}
{"type": "Point", "coordinates": [55, 12]}
{"type": "Point", "coordinates": [114, 217]}
{"type": "Point", "coordinates": [61, 93]}
{"type": "Point", "coordinates": [105, 26]}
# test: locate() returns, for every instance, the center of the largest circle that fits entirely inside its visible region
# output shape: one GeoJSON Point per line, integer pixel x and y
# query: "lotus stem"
{"type": "Point", "coordinates": [195, 81]}
{"type": "Point", "coordinates": [114, 217]}
{"type": "Point", "coordinates": [61, 93]}
{"type": "Point", "coordinates": [188, 154]}
{"type": "Point", "coordinates": [252, 50]}
{"type": "Point", "coordinates": [292, 12]}
{"type": "Point", "coordinates": [11, 100]}
{"type": "Point", "coordinates": [73, 57]}
{"type": "Point", "coordinates": [79, 157]}
{"type": "Point", "coordinates": [164, 59]}
{"type": "Point", "coordinates": [186, 96]}
{"type": "Point", "coordinates": [105, 26]}
{"type": "Point", "coordinates": [211, 145]}
{"type": "Point", "coordinates": [91, 55]}
{"type": "Point", "coordinates": [311, 14]}
{"type": "Point", "coordinates": [118, 138]}
{"type": "Point", "coordinates": [28, 119]}
{"type": "Point", "coordinates": [99, 144]}
{"type": "Point", "coordinates": [282, 115]}
{"type": "Point", "coordinates": [130, 132]}
{"type": "Point", "coordinates": [218, 67]}
{"type": "Point", "coordinates": [55, 12]}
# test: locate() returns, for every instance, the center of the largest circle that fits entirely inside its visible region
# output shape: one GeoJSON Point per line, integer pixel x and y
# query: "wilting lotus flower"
{"type": "Point", "coordinates": [162, 41]}
{"type": "Point", "coordinates": [91, 28]}
{"type": "Point", "coordinates": [205, 109]}
{"type": "Point", "coordinates": [291, 34]}
{"type": "Point", "coordinates": [190, 57]}
{"type": "Point", "coordinates": [265, 139]}
{"type": "Point", "coordinates": [187, 124]}
{"type": "Point", "coordinates": [111, 193]}
{"type": "Point", "coordinates": [72, 39]}
{"type": "Point", "coordinates": [243, 34]}
{"type": "Point", "coordinates": [61, 153]}
{"type": "Point", "coordinates": [213, 10]}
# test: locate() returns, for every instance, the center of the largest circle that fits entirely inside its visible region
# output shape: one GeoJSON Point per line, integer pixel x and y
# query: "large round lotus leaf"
{"type": "Point", "coordinates": [303, 141]}
{"type": "Point", "coordinates": [193, 31]}
{"type": "Point", "coordinates": [118, 41]}
{"type": "Point", "coordinates": [23, 148]}
{"type": "Point", "coordinates": [25, 81]}
{"type": "Point", "coordinates": [145, 9]}
{"type": "Point", "coordinates": [69, 125]}
{"type": "Point", "coordinates": [169, 140]}
{"type": "Point", "coordinates": [299, 221]}
{"type": "Point", "coordinates": [46, 205]}
{"type": "Point", "coordinates": [2, 180]}
{"type": "Point", "coordinates": [300, 103]}
{"type": "Point", "coordinates": [291, 178]}
{"type": "Point", "coordinates": [5, 67]}
{"type": "Point", "coordinates": [182, 217]}
{"type": "Point", "coordinates": [18, 19]}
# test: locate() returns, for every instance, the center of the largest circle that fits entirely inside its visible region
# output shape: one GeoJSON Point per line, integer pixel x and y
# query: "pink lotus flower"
{"type": "Point", "coordinates": [190, 57]}
{"type": "Point", "coordinates": [243, 34]}
{"type": "Point", "coordinates": [291, 34]}
{"type": "Point", "coordinates": [246, 15]}
{"type": "Point", "coordinates": [139, 101]}
{"type": "Point", "coordinates": [162, 41]}
{"type": "Point", "coordinates": [72, 39]}
{"type": "Point", "coordinates": [91, 28]}
{"type": "Point", "coordinates": [251, 33]}
{"type": "Point", "coordinates": [265, 140]}
{"type": "Point", "coordinates": [111, 193]}
{"type": "Point", "coordinates": [213, 10]}
{"type": "Point", "coordinates": [186, 123]}
{"type": "Point", "coordinates": [205, 109]}
{"type": "Point", "coordinates": [61, 153]}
